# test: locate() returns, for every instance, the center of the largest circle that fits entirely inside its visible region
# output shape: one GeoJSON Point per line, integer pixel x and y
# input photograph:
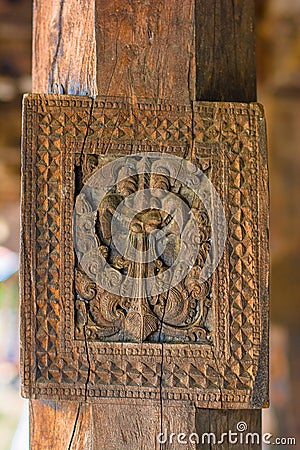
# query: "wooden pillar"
{"type": "Point", "coordinates": [226, 71]}
{"type": "Point", "coordinates": [140, 49]}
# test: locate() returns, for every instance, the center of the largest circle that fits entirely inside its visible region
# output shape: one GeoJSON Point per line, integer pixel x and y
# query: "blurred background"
{"type": "Point", "coordinates": [278, 62]}
{"type": "Point", "coordinates": [15, 67]}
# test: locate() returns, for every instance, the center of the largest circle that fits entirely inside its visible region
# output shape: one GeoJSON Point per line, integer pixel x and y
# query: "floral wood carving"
{"type": "Point", "coordinates": [80, 341]}
{"type": "Point", "coordinates": [178, 315]}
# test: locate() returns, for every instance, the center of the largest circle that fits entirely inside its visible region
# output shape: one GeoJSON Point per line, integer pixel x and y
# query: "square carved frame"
{"type": "Point", "coordinates": [232, 371]}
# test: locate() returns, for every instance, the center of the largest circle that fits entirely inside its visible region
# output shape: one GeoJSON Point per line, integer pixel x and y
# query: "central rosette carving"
{"type": "Point", "coordinates": [146, 222]}
{"type": "Point", "coordinates": [140, 225]}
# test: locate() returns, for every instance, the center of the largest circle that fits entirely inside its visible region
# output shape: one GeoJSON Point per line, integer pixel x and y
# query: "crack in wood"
{"type": "Point", "coordinates": [53, 75]}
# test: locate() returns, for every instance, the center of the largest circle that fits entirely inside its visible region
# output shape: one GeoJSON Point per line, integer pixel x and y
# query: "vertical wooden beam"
{"type": "Point", "coordinates": [225, 43]}
{"type": "Point", "coordinates": [226, 71]}
{"type": "Point", "coordinates": [132, 48]}
{"type": "Point", "coordinates": [146, 49]}
{"type": "Point", "coordinates": [64, 62]}
{"type": "Point", "coordinates": [64, 47]}
{"type": "Point", "coordinates": [141, 49]}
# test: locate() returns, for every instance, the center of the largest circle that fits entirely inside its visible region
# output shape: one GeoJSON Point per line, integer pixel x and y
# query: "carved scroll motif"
{"type": "Point", "coordinates": [179, 315]}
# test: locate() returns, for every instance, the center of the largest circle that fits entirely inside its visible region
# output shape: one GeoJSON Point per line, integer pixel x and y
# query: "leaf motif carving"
{"type": "Point", "coordinates": [180, 313]}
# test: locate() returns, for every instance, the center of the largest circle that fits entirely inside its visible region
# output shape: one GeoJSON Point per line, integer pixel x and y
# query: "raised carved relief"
{"type": "Point", "coordinates": [178, 315]}
{"type": "Point", "coordinates": [202, 340]}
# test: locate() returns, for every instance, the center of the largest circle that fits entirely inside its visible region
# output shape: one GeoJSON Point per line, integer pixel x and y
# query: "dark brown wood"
{"type": "Point", "coordinates": [60, 425]}
{"type": "Point", "coordinates": [225, 71]}
{"type": "Point", "coordinates": [242, 428]}
{"type": "Point", "coordinates": [225, 55]}
{"type": "Point", "coordinates": [207, 335]}
{"type": "Point", "coordinates": [76, 54]}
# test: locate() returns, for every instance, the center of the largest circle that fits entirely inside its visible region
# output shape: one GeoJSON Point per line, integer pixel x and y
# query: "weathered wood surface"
{"type": "Point", "coordinates": [79, 426]}
{"type": "Point", "coordinates": [225, 43]}
{"type": "Point", "coordinates": [146, 49]}
{"type": "Point", "coordinates": [197, 322]}
{"type": "Point", "coordinates": [214, 421]}
{"type": "Point", "coordinates": [61, 425]}
{"type": "Point", "coordinates": [64, 47]}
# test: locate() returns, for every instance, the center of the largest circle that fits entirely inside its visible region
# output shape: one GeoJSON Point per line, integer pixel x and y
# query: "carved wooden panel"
{"type": "Point", "coordinates": [144, 251]}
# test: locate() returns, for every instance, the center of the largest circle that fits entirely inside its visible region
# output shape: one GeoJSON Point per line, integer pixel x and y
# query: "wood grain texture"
{"type": "Point", "coordinates": [225, 71]}
{"type": "Point", "coordinates": [60, 426]}
{"type": "Point", "coordinates": [146, 48]}
{"type": "Point", "coordinates": [64, 47]}
{"type": "Point", "coordinates": [225, 56]}
{"type": "Point", "coordinates": [218, 422]}
{"type": "Point", "coordinates": [137, 425]}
